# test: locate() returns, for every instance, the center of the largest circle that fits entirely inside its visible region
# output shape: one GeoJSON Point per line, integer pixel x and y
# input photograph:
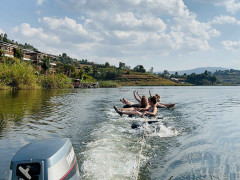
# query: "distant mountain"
{"type": "Point", "coordinates": [198, 70]}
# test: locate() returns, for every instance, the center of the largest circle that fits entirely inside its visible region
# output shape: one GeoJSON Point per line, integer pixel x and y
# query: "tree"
{"type": "Point", "coordinates": [46, 64]}
{"type": "Point", "coordinates": [1, 37]}
{"type": "Point", "coordinates": [5, 39]}
{"type": "Point", "coordinates": [69, 69]}
{"type": "Point", "coordinates": [176, 73]}
{"type": "Point", "coordinates": [2, 53]}
{"type": "Point", "coordinates": [121, 65]}
{"type": "Point", "coordinates": [87, 69]}
{"type": "Point", "coordinates": [139, 68]}
{"type": "Point", "coordinates": [166, 73]}
{"type": "Point", "coordinates": [18, 53]}
{"type": "Point", "coordinates": [107, 65]}
{"type": "Point", "coordinates": [81, 74]}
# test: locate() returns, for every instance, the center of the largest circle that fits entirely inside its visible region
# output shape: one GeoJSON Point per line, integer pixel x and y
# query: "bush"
{"type": "Point", "coordinates": [18, 53]}
{"type": "Point", "coordinates": [17, 75]}
{"type": "Point", "coordinates": [108, 84]}
{"type": "Point", "coordinates": [2, 53]}
{"type": "Point", "coordinates": [86, 78]}
{"type": "Point", "coordinates": [56, 81]}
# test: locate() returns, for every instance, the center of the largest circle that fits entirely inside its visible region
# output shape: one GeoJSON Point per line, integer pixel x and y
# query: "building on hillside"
{"type": "Point", "coordinates": [35, 56]}
{"type": "Point", "coordinates": [178, 80]}
{"type": "Point", "coordinates": [27, 54]}
{"type": "Point", "coordinates": [8, 48]}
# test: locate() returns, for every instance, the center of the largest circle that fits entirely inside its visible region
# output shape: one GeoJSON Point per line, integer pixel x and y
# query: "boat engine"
{"type": "Point", "coordinates": [52, 159]}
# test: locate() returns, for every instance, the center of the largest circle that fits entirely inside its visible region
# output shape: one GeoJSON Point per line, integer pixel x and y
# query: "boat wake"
{"type": "Point", "coordinates": [114, 151]}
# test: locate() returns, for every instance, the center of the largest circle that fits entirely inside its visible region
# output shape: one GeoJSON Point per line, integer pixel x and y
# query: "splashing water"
{"type": "Point", "coordinates": [114, 152]}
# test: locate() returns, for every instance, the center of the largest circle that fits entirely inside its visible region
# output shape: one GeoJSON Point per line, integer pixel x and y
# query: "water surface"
{"type": "Point", "coordinates": [205, 144]}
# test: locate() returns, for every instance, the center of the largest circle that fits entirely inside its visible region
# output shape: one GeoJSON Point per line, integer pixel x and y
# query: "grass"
{"type": "Point", "coordinates": [56, 81]}
{"type": "Point", "coordinates": [15, 74]}
{"type": "Point", "coordinates": [145, 79]}
{"type": "Point", "coordinates": [108, 84]}
{"type": "Point", "coordinates": [18, 75]}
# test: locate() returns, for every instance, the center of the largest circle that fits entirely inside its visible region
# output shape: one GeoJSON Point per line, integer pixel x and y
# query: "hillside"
{"type": "Point", "coordinates": [199, 70]}
{"type": "Point", "coordinates": [228, 77]}
{"type": "Point", "coordinates": [146, 79]}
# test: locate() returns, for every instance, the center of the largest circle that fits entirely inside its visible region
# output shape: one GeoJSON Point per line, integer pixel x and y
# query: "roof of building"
{"type": "Point", "coordinates": [8, 44]}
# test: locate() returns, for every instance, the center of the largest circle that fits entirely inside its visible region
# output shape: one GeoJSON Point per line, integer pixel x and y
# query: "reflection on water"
{"type": "Point", "coordinates": [205, 144]}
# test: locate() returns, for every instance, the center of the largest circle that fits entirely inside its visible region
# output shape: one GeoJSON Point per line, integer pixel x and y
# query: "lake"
{"type": "Point", "coordinates": [197, 139]}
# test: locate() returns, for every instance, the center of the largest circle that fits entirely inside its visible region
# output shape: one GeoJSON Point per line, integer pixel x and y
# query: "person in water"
{"type": "Point", "coordinates": [143, 102]}
{"type": "Point", "coordinates": [149, 111]}
{"type": "Point", "coordinates": [161, 105]}
{"type": "Point", "coordinates": [137, 96]}
{"type": "Point", "coordinates": [129, 103]}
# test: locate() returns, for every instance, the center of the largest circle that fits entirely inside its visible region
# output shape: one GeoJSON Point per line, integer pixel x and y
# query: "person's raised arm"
{"type": "Point", "coordinates": [134, 93]}
{"type": "Point", "coordinates": [139, 95]}
{"type": "Point", "coordinates": [150, 93]}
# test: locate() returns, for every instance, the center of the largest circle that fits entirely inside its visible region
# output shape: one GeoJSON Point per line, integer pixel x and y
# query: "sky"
{"type": "Point", "coordinates": [163, 34]}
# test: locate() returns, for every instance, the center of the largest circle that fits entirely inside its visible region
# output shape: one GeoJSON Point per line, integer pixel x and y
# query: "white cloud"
{"type": "Point", "coordinates": [65, 27]}
{"type": "Point", "coordinates": [117, 29]}
{"type": "Point", "coordinates": [231, 45]}
{"type": "Point", "coordinates": [214, 33]}
{"type": "Point", "coordinates": [224, 20]}
{"type": "Point", "coordinates": [40, 2]}
{"type": "Point", "coordinates": [231, 6]}
{"type": "Point", "coordinates": [36, 36]}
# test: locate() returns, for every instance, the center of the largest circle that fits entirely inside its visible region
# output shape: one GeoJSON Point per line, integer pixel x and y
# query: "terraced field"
{"type": "Point", "coordinates": [144, 80]}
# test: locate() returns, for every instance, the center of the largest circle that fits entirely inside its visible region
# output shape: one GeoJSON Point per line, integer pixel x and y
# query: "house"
{"type": "Point", "coordinates": [178, 80]}
{"type": "Point", "coordinates": [8, 48]}
{"type": "Point", "coordinates": [27, 56]}
{"type": "Point", "coordinates": [35, 56]}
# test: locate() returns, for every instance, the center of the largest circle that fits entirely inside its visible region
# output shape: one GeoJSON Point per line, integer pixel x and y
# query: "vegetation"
{"type": "Point", "coordinates": [108, 84]}
{"type": "Point", "coordinates": [56, 81]}
{"type": "Point", "coordinates": [46, 64]}
{"type": "Point", "coordinates": [17, 75]}
{"type": "Point", "coordinates": [139, 68]}
{"type": "Point", "coordinates": [2, 53]}
{"type": "Point", "coordinates": [44, 75]}
{"type": "Point", "coordinates": [144, 79]}
{"type": "Point", "coordinates": [228, 77]}
{"type": "Point", "coordinates": [18, 53]}
{"type": "Point", "coordinates": [206, 78]}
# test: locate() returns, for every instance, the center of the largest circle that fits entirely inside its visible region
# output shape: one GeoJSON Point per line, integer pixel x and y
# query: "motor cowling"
{"type": "Point", "coordinates": [45, 160]}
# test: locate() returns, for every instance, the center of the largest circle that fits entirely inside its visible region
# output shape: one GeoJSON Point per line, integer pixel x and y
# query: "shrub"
{"type": "Point", "coordinates": [56, 81]}
{"type": "Point", "coordinates": [18, 75]}
{"type": "Point", "coordinates": [2, 53]}
{"type": "Point", "coordinates": [108, 84]}
{"type": "Point", "coordinates": [18, 53]}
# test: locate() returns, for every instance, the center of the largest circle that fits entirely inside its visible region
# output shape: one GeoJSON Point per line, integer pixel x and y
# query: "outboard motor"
{"type": "Point", "coordinates": [45, 160]}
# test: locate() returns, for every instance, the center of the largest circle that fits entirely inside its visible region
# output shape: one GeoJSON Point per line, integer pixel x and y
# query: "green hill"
{"type": "Point", "coordinates": [144, 79]}
{"type": "Point", "coordinates": [228, 77]}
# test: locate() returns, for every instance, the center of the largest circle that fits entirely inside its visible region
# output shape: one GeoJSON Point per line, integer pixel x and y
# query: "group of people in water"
{"type": "Point", "coordinates": [145, 107]}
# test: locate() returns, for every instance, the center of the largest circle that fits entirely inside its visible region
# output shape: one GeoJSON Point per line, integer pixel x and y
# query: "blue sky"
{"type": "Point", "coordinates": [163, 34]}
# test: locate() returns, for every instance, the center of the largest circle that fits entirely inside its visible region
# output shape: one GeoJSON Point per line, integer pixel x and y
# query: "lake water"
{"type": "Point", "coordinates": [205, 144]}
